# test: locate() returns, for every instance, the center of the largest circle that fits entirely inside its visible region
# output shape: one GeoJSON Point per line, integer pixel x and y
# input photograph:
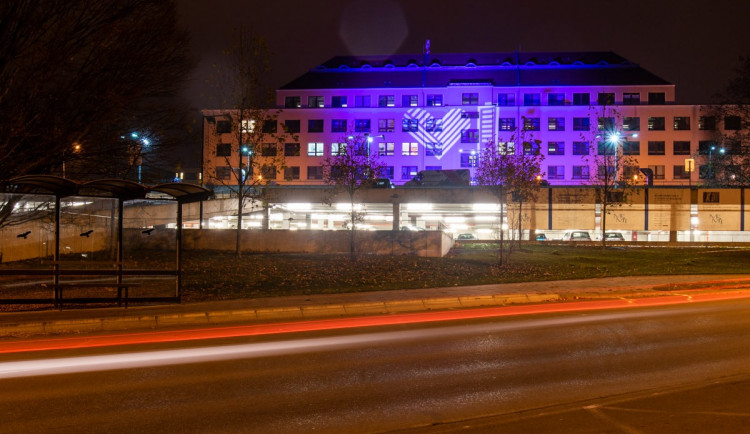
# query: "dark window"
{"type": "Point", "coordinates": [581, 124]}
{"type": "Point", "coordinates": [556, 124]}
{"type": "Point", "coordinates": [435, 100]}
{"type": "Point", "coordinates": [580, 172]}
{"type": "Point", "coordinates": [224, 150]}
{"type": "Point", "coordinates": [532, 99]}
{"type": "Point", "coordinates": [410, 125]}
{"type": "Point", "coordinates": [506, 99]}
{"type": "Point", "coordinates": [223, 127]}
{"type": "Point", "coordinates": [386, 125]}
{"type": "Point", "coordinates": [606, 124]}
{"type": "Point", "coordinates": [581, 99]}
{"type": "Point", "coordinates": [631, 148]}
{"type": "Point", "coordinates": [657, 148]}
{"type": "Point", "coordinates": [314, 172]}
{"type": "Point", "coordinates": [656, 98]}
{"type": "Point", "coordinates": [409, 100]}
{"type": "Point", "coordinates": [656, 123]}
{"type": "Point", "coordinates": [268, 150]}
{"type": "Point", "coordinates": [531, 124]}
{"type": "Point", "coordinates": [387, 172]}
{"type": "Point", "coordinates": [268, 171]}
{"type": "Point", "coordinates": [408, 172]}
{"type": "Point", "coordinates": [315, 125]}
{"type": "Point", "coordinates": [338, 126]}
{"type": "Point", "coordinates": [658, 171]}
{"type": "Point", "coordinates": [292, 102]}
{"type": "Point", "coordinates": [223, 172]}
{"type": "Point", "coordinates": [362, 125]}
{"type": "Point", "coordinates": [580, 148]}
{"type": "Point", "coordinates": [362, 101]}
{"type": "Point", "coordinates": [470, 136]}
{"type": "Point", "coordinates": [291, 173]}
{"type": "Point", "coordinates": [315, 101]}
{"type": "Point", "coordinates": [606, 98]}
{"type": "Point", "coordinates": [507, 124]}
{"type": "Point", "coordinates": [270, 126]}
{"type": "Point", "coordinates": [678, 172]}
{"type": "Point", "coordinates": [291, 149]}
{"type": "Point", "coordinates": [706, 147]}
{"type": "Point", "coordinates": [732, 123]}
{"type": "Point", "coordinates": [555, 172]}
{"type": "Point", "coordinates": [631, 124]}
{"type": "Point", "coordinates": [681, 148]}
{"type": "Point", "coordinates": [705, 172]}
{"type": "Point", "coordinates": [631, 98]}
{"type": "Point", "coordinates": [338, 101]}
{"type": "Point", "coordinates": [707, 123]}
{"type": "Point", "coordinates": [386, 101]}
{"type": "Point", "coordinates": [605, 148]}
{"type": "Point", "coordinates": [681, 123]}
{"type": "Point", "coordinates": [292, 126]}
{"type": "Point", "coordinates": [555, 148]}
{"type": "Point", "coordinates": [556, 99]}
{"type": "Point", "coordinates": [470, 99]}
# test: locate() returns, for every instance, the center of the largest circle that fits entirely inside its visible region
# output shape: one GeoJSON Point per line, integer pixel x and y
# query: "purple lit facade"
{"type": "Point", "coordinates": [439, 113]}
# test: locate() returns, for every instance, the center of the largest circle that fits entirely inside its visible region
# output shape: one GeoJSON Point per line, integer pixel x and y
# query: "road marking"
{"type": "Point", "coordinates": [599, 414]}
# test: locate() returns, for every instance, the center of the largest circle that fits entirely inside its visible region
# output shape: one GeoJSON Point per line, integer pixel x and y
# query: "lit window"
{"type": "Point", "coordinates": [555, 148]}
{"type": "Point", "coordinates": [411, 149]}
{"type": "Point", "coordinates": [386, 125]}
{"type": "Point", "coordinates": [531, 124]}
{"type": "Point", "coordinates": [315, 149]}
{"type": "Point", "coordinates": [507, 124]}
{"type": "Point", "coordinates": [386, 101]}
{"type": "Point", "coordinates": [681, 123]}
{"type": "Point", "coordinates": [556, 124]}
{"type": "Point", "coordinates": [386, 149]}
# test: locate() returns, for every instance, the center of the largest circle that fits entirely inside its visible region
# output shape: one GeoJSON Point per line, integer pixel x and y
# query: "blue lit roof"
{"type": "Point", "coordinates": [498, 69]}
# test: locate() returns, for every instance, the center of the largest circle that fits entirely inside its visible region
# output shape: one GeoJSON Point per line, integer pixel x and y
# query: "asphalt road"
{"type": "Point", "coordinates": [666, 369]}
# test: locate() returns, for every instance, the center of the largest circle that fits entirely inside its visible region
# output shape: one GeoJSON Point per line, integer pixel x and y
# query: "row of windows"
{"type": "Point", "coordinates": [472, 98]}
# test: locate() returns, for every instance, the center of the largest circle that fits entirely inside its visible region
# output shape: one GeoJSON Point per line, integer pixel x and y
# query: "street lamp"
{"type": "Point", "coordinates": [710, 167]}
{"type": "Point", "coordinates": [245, 175]}
{"type": "Point", "coordinates": [614, 139]}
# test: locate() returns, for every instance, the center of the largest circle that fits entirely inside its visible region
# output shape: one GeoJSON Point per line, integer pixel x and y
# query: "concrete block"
{"type": "Point", "coordinates": [323, 310]}
{"type": "Point", "coordinates": [81, 325]}
{"type": "Point", "coordinates": [182, 319]}
{"type": "Point", "coordinates": [278, 313]}
{"type": "Point", "coordinates": [129, 322]}
{"type": "Point", "coordinates": [480, 300]}
{"type": "Point", "coordinates": [404, 306]}
{"type": "Point", "coordinates": [232, 315]}
{"type": "Point", "coordinates": [442, 303]}
{"type": "Point", "coordinates": [370, 308]}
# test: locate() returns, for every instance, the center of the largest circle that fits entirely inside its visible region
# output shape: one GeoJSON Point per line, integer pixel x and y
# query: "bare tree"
{"type": "Point", "coordinates": [503, 170]}
{"type": "Point", "coordinates": [351, 166]}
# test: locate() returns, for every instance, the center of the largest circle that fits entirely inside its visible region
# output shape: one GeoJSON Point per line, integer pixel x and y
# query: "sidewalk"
{"type": "Point", "coordinates": [275, 309]}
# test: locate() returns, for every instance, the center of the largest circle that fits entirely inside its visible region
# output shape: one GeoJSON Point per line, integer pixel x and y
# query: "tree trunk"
{"type": "Point", "coordinates": [238, 240]}
{"type": "Point", "coordinates": [352, 256]}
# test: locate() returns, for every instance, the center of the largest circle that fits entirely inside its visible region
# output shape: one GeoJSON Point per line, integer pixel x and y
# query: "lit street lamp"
{"type": "Point", "coordinates": [710, 166]}
{"type": "Point", "coordinates": [245, 174]}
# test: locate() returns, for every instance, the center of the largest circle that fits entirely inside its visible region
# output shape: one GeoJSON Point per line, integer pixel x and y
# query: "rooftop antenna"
{"type": "Point", "coordinates": [426, 52]}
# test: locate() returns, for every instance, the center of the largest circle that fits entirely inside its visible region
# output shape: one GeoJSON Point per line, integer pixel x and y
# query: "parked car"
{"type": "Point", "coordinates": [541, 237]}
{"type": "Point", "coordinates": [465, 237]}
{"type": "Point", "coordinates": [382, 183]}
{"type": "Point", "coordinates": [613, 236]}
{"type": "Point", "coordinates": [576, 236]}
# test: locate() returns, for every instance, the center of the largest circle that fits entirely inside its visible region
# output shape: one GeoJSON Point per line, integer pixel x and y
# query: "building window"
{"type": "Point", "coordinates": [270, 126]}
{"type": "Point", "coordinates": [434, 149]}
{"type": "Point", "coordinates": [531, 124]}
{"type": "Point", "coordinates": [555, 172]}
{"type": "Point", "coordinates": [292, 126]}
{"type": "Point", "coordinates": [581, 99]}
{"type": "Point", "coordinates": [314, 172]}
{"type": "Point", "coordinates": [315, 149]}
{"type": "Point", "coordinates": [711, 197]}
{"type": "Point", "coordinates": [386, 125]}
{"type": "Point", "coordinates": [555, 148]}
{"type": "Point", "coordinates": [292, 102]}
{"type": "Point", "coordinates": [469, 114]}
{"type": "Point", "coordinates": [438, 125]}
{"type": "Point", "coordinates": [386, 149]}
{"type": "Point", "coordinates": [530, 148]}
{"type": "Point", "coordinates": [224, 150]}
{"type": "Point", "coordinates": [680, 173]}
{"type": "Point", "coordinates": [362, 125]}
{"type": "Point", "coordinates": [411, 149]}
{"type": "Point", "coordinates": [470, 99]}
{"type": "Point", "coordinates": [268, 150]}
{"type": "Point", "coordinates": [506, 148]}
{"type": "Point", "coordinates": [603, 171]}
{"type": "Point", "coordinates": [681, 123]}
{"type": "Point", "coordinates": [291, 149]}
{"type": "Point", "coordinates": [631, 124]}
{"type": "Point", "coordinates": [705, 172]}
{"type": "Point", "coordinates": [506, 99]}
{"type": "Point", "coordinates": [556, 124]}
{"type": "Point", "coordinates": [268, 171]}
{"type": "Point", "coordinates": [658, 171]}
{"type": "Point", "coordinates": [247, 126]}
{"type": "Point", "coordinates": [630, 172]}
{"type": "Point", "coordinates": [223, 172]}
{"type": "Point", "coordinates": [707, 123]}
{"type": "Point", "coordinates": [434, 100]}
{"type": "Point", "coordinates": [408, 172]}
{"type": "Point", "coordinates": [338, 101]}
{"type": "Point", "coordinates": [338, 126]}
{"type": "Point", "coordinates": [580, 148]}
{"type": "Point", "coordinates": [315, 101]}
{"type": "Point", "coordinates": [469, 159]}
{"type": "Point", "coordinates": [409, 100]}
{"type": "Point", "coordinates": [631, 98]}
{"type": "Point", "coordinates": [470, 136]}
{"type": "Point", "coordinates": [580, 172]}
{"type": "Point", "coordinates": [506, 124]}
{"type": "Point", "coordinates": [656, 98]}
{"type": "Point", "coordinates": [532, 99]}
{"type": "Point", "coordinates": [338, 148]}
{"type": "Point", "coordinates": [315, 125]}
{"type": "Point", "coordinates": [681, 148]}
{"type": "Point", "coordinates": [706, 147]}
{"type": "Point", "coordinates": [433, 167]}
{"type": "Point", "coordinates": [387, 172]}
{"type": "Point", "coordinates": [631, 148]}
{"type": "Point", "coordinates": [581, 124]}
{"type": "Point", "coordinates": [556, 99]}
{"type": "Point", "coordinates": [386, 101]}
{"type": "Point", "coordinates": [223, 127]}
{"type": "Point", "coordinates": [656, 148]}
{"type": "Point", "coordinates": [362, 101]}
{"type": "Point", "coordinates": [606, 124]}
{"type": "Point", "coordinates": [656, 124]}
{"type": "Point", "coordinates": [410, 125]}
{"type": "Point", "coordinates": [606, 98]}
{"type": "Point", "coordinates": [732, 123]}
{"type": "Point", "coordinates": [605, 148]}
{"type": "Point", "coordinates": [291, 173]}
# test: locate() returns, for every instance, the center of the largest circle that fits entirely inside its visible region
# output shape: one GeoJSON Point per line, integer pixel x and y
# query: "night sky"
{"type": "Point", "coordinates": [694, 44]}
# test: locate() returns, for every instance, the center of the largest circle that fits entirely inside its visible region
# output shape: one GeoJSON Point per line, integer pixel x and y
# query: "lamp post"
{"type": "Point", "coordinates": [245, 175]}
{"type": "Point", "coordinates": [615, 139]}
{"type": "Point", "coordinates": [710, 166]}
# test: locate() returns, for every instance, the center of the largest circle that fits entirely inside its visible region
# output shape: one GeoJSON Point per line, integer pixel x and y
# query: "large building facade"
{"type": "Point", "coordinates": [437, 112]}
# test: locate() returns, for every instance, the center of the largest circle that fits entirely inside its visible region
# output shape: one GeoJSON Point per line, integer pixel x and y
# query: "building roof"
{"type": "Point", "coordinates": [496, 69]}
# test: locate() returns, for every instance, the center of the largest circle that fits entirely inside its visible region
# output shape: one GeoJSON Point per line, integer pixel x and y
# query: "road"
{"type": "Point", "coordinates": [660, 369]}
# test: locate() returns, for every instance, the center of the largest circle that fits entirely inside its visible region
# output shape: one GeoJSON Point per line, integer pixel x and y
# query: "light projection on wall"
{"type": "Point", "coordinates": [442, 133]}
